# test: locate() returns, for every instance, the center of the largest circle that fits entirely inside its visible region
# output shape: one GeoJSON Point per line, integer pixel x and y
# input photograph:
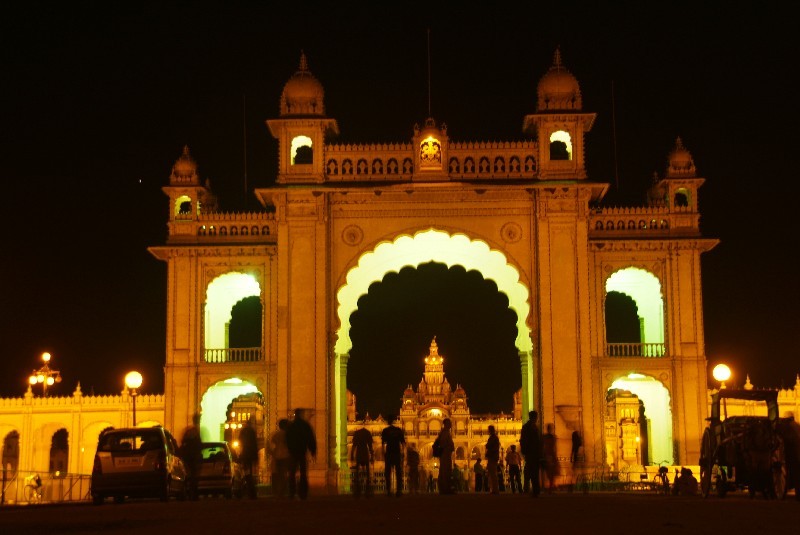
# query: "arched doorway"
{"type": "Point", "coordinates": [653, 423]}
{"type": "Point", "coordinates": [428, 246]}
{"type": "Point", "coordinates": [214, 406]}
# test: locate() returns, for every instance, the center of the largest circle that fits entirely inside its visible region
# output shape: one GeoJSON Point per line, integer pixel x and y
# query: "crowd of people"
{"type": "Point", "coordinates": [526, 471]}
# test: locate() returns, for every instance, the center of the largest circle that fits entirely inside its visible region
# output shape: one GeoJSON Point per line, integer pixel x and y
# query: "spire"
{"type": "Point", "coordinates": [303, 62]}
{"type": "Point", "coordinates": [747, 384]}
{"type": "Point", "coordinates": [557, 58]}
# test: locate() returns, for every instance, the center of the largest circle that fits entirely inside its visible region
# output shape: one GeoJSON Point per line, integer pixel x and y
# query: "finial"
{"type": "Point", "coordinates": [303, 61]}
{"type": "Point", "coordinates": [747, 384]}
{"type": "Point", "coordinates": [679, 143]}
{"type": "Point", "coordinates": [655, 177]}
{"type": "Point", "coordinates": [557, 58]}
{"type": "Point", "coordinates": [185, 152]}
{"type": "Point", "coordinates": [797, 382]}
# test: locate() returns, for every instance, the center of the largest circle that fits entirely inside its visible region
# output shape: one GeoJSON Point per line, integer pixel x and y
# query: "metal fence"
{"type": "Point", "coordinates": [21, 487]}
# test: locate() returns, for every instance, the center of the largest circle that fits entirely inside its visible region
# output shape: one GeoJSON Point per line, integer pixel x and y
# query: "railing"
{"type": "Point", "coordinates": [647, 350]}
{"type": "Point", "coordinates": [237, 354]}
{"type": "Point", "coordinates": [55, 488]}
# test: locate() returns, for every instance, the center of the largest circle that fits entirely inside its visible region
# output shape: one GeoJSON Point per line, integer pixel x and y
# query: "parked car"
{"type": "Point", "coordinates": [219, 473]}
{"type": "Point", "coordinates": [137, 462]}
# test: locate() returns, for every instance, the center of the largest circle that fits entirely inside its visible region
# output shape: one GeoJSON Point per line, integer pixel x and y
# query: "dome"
{"type": "Point", "coordinates": [680, 161]}
{"type": "Point", "coordinates": [184, 170]}
{"type": "Point", "coordinates": [302, 94]}
{"type": "Point", "coordinates": [558, 89]}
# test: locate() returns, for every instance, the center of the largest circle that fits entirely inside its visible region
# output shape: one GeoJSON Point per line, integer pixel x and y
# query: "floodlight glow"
{"type": "Point", "coordinates": [721, 373]}
{"type": "Point", "coordinates": [635, 376]}
{"type": "Point", "coordinates": [233, 381]}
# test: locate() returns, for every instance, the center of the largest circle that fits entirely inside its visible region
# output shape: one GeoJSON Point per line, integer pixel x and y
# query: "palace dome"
{"type": "Point", "coordinates": [184, 170]}
{"type": "Point", "coordinates": [558, 89]}
{"type": "Point", "coordinates": [680, 161]}
{"type": "Point", "coordinates": [302, 94]}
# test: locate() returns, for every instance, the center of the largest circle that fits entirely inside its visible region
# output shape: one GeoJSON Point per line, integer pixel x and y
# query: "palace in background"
{"type": "Point", "coordinates": [607, 300]}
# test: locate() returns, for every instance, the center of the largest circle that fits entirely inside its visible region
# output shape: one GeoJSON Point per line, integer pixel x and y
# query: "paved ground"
{"type": "Point", "coordinates": [559, 513]}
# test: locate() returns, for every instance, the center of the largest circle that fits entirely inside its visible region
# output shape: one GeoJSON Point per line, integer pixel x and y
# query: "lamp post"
{"type": "Point", "coordinates": [721, 373]}
{"type": "Point", "coordinates": [45, 376]}
{"type": "Point", "coordinates": [133, 380]}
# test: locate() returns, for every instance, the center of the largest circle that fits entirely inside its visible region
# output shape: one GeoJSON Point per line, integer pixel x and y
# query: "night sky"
{"type": "Point", "coordinates": [98, 101]}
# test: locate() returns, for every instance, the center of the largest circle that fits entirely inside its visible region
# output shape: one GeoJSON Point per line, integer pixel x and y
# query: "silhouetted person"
{"type": "Point", "coordinates": [550, 458]}
{"type": "Point", "coordinates": [685, 484]}
{"type": "Point", "coordinates": [279, 451]}
{"type": "Point", "coordinates": [393, 441]}
{"type": "Point", "coordinates": [412, 462]}
{"type": "Point", "coordinates": [248, 456]}
{"type": "Point", "coordinates": [530, 446]}
{"type": "Point", "coordinates": [577, 442]}
{"type": "Point", "coordinates": [480, 473]}
{"type": "Point", "coordinates": [301, 441]}
{"type": "Point", "coordinates": [514, 462]}
{"type": "Point", "coordinates": [192, 455]}
{"type": "Point", "coordinates": [361, 455]}
{"type": "Point", "coordinates": [492, 458]}
{"type": "Point", "coordinates": [446, 459]}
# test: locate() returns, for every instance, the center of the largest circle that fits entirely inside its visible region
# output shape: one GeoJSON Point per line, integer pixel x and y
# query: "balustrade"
{"type": "Point", "coordinates": [635, 350]}
{"type": "Point", "coordinates": [237, 354]}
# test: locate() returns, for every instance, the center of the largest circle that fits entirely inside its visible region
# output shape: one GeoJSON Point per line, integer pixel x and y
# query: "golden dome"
{"type": "Point", "coordinates": [680, 161]}
{"type": "Point", "coordinates": [558, 89]}
{"type": "Point", "coordinates": [184, 170]}
{"type": "Point", "coordinates": [302, 94]}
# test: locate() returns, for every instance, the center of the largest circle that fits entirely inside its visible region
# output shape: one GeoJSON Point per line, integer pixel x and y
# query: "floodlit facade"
{"type": "Point", "coordinates": [607, 300]}
{"type": "Point", "coordinates": [524, 214]}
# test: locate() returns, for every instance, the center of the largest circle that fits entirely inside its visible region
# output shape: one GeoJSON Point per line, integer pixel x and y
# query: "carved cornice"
{"type": "Point", "coordinates": [405, 213]}
{"type": "Point", "coordinates": [612, 246]}
{"type": "Point", "coordinates": [167, 252]}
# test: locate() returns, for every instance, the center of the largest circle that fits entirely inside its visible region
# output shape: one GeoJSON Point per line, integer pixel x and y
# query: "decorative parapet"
{"type": "Point", "coordinates": [111, 400]}
{"type": "Point", "coordinates": [643, 221]}
{"type": "Point", "coordinates": [394, 162]}
{"type": "Point", "coordinates": [220, 227]}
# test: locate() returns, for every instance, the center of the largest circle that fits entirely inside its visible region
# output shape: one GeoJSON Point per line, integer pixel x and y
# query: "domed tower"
{"type": "Point", "coordinates": [188, 198]}
{"type": "Point", "coordinates": [679, 189]}
{"type": "Point", "coordinates": [559, 125]}
{"type": "Point", "coordinates": [302, 128]}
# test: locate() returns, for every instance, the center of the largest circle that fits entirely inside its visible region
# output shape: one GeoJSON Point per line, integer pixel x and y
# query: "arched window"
{"type": "Point", "coordinates": [301, 150]}
{"type": "Point", "coordinates": [560, 145]}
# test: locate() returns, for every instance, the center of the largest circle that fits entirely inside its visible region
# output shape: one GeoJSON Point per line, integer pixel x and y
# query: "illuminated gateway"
{"type": "Point", "coordinates": [523, 214]}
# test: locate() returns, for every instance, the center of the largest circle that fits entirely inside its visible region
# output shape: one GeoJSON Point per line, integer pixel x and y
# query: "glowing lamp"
{"type": "Point", "coordinates": [133, 379]}
{"type": "Point", "coordinates": [721, 373]}
{"type": "Point", "coordinates": [46, 356]}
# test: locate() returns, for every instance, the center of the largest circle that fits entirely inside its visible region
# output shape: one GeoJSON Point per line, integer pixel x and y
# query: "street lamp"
{"type": "Point", "coordinates": [721, 373]}
{"type": "Point", "coordinates": [45, 376]}
{"type": "Point", "coordinates": [133, 381]}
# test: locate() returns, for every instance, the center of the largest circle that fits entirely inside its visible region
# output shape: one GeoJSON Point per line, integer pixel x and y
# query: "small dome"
{"type": "Point", "coordinates": [680, 161]}
{"type": "Point", "coordinates": [558, 89]}
{"type": "Point", "coordinates": [302, 94]}
{"type": "Point", "coordinates": [184, 170]}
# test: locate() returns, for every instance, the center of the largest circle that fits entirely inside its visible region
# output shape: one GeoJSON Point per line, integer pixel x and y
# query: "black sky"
{"type": "Point", "coordinates": [98, 99]}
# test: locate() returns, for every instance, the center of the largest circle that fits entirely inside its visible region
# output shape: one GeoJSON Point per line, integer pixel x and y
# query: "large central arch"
{"type": "Point", "coordinates": [430, 245]}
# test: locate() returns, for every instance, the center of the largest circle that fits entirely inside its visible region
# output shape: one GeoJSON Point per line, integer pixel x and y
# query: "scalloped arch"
{"type": "Point", "coordinates": [432, 246]}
